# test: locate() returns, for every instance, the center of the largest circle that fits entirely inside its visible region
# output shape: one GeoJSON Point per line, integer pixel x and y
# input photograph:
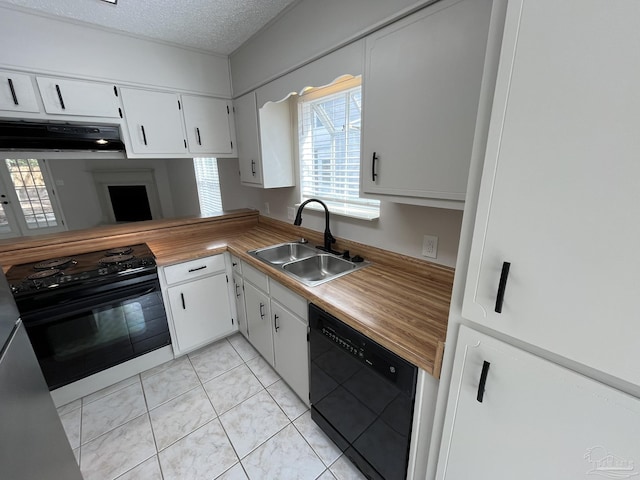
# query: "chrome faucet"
{"type": "Point", "coordinates": [328, 238]}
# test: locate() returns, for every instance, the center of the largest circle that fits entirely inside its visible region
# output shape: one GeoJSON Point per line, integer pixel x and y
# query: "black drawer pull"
{"type": "Point", "coordinates": [275, 322]}
{"type": "Point", "coordinates": [184, 307]}
{"type": "Point", "coordinates": [199, 139]}
{"type": "Point", "coordinates": [253, 168]}
{"type": "Point", "coordinates": [144, 135]}
{"type": "Point", "coordinates": [502, 286]}
{"type": "Point", "coordinates": [374, 175]}
{"type": "Point", "coordinates": [262, 310]}
{"type": "Point", "coordinates": [197, 268]}
{"type": "Point", "coordinates": [13, 92]}
{"type": "Point", "coordinates": [483, 380]}
{"type": "Point", "coordinates": [60, 97]}
{"type": "Point", "coordinates": [237, 294]}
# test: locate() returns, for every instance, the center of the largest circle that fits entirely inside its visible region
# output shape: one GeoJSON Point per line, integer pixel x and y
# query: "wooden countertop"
{"type": "Point", "coordinates": [399, 301]}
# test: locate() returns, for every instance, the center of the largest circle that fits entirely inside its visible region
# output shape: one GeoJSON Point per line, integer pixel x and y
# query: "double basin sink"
{"type": "Point", "coordinates": [306, 264]}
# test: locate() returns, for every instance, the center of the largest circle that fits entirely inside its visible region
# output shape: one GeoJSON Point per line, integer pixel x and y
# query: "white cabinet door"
{"type": "Point", "coordinates": [246, 117]}
{"type": "Point", "coordinates": [276, 145]}
{"type": "Point", "coordinates": [291, 349]}
{"type": "Point", "coordinates": [17, 93]}
{"type": "Point", "coordinates": [207, 125]}
{"type": "Point", "coordinates": [238, 293]}
{"type": "Point", "coordinates": [559, 197]}
{"type": "Point", "coordinates": [259, 320]}
{"type": "Point", "coordinates": [75, 97]}
{"type": "Point", "coordinates": [200, 311]}
{"type": "Point", "coordinates": [154, 121]}
{"type": "Point", "coordinates": [421, 90]}
{"type": "Point", "coordinates": [535, 419]}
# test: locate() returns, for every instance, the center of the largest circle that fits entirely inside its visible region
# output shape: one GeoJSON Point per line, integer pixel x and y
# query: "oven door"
{"type": "Point", "coordinates": [83, 332]}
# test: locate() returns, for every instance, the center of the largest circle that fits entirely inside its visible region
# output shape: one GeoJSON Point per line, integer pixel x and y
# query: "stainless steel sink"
{"type": "Point", "coordinates": [306, 264]}
{"type": "Point", "coordinates": [319, 268]}
{"type": "Point", "coordinates": [284, 253]}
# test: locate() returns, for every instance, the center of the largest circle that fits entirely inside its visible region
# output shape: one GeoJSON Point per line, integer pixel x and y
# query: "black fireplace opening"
{"type": "Point", "coordinates": [130, 203]}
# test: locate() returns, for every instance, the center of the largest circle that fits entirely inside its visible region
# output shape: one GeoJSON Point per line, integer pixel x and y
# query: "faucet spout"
{"type": "Point", "coordinates": [328, 238]}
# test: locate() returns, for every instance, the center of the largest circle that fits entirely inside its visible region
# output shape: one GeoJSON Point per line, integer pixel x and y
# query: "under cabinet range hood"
{"type": "Point", "coordinates": [38, 136]}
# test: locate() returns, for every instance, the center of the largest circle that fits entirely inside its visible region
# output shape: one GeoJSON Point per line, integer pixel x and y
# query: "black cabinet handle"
{"type": "Point", "coordinates": [233, 264]}
{"type": "Point", "coordinates": [197, 268]}
{"type": "Point", "coordinates": [275, 322]}
{"type": "Point", "coordinates": [374, 175]}
{"type": "Point", "coordinates": [60, 97]}
{"type": "Point", "coordinates": [13, 92]}
{"type": "Point", "coordinates": [261, 310]}
{"type": "Point", "coordinates": [253, 168]}
{"type": "Point", "coordinates": [483, 380]}
{"type": "Point", "coordinates": [184, 307]}
{"type": "Point", "coordinates": [144, 135]}
{"type": "Point", "coordinates": [502, 286]}
{"type": "Point", "coordinates": [237, 294]}
{"type": "Point", "coordinates": [198, 133]}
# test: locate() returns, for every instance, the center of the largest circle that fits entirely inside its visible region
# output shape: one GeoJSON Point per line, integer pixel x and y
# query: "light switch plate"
{"type": "Point", "coordinates": [430, 246]}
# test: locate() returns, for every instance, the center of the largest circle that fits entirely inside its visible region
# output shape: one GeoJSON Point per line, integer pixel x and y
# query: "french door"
{"type": "Point", "coordinates": [28, 205]}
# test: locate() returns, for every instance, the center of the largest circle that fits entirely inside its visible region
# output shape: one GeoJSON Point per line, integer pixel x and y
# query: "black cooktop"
{"type": "Point", "coordinates": [76, 270]}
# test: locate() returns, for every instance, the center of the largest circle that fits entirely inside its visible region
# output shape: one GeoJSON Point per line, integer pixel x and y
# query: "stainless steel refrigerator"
{"type": "Point", "coordinates": [33, 444]}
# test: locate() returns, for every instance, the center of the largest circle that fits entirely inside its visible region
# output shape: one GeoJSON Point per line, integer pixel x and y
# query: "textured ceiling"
{"type": "Point", "coordinates": [218, 26]}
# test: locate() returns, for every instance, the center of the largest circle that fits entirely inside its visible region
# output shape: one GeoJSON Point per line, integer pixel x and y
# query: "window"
{"type": "Point", "coordinates": [329, 149]}
{"type": "Point", "coordinates": [28, 206]}
{"type": "Point", "coordinates": [206, 170]}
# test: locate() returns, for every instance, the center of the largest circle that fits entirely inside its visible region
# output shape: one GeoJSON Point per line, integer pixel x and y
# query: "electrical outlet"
{"type": "Point", "coordinates": [267, 211]}
{"type": "Point", "coordinates": [291, 213]}
{"type": "Point", "coordinates": [430, 246]}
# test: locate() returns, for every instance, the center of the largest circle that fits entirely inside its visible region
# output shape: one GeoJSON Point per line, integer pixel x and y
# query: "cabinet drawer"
{"type": "Point", "coordinates": [236, 264]}
{"type": "Point", "coordinates": [294, 302]}
{"type": "Point", "coordinates": [255, 276]}
{"type": "Point", "coordinates": [194, 269]}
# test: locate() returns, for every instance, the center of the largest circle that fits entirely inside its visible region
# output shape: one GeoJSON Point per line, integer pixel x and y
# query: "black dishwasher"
{"type": "Point", "coordinates": [362, 396]}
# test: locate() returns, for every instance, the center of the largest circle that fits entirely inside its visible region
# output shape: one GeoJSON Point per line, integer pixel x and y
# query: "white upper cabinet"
{"type": "Point", "coordinates": [559, 200]}
{"type": "Point", "coordinates": [208, 125]}
{"type": "Point", "coordinates": [17, 93]}
{"type": "Point", "coordinates": [265, 143]}
{"type": "Point", "coordinates": [421, 89]}
{"type": "Point", "coordinates": [74, 97]}
{"type": "Point", "coordinates": [154, 122]}
{"type": "Point", "coordinates": [246, 116]}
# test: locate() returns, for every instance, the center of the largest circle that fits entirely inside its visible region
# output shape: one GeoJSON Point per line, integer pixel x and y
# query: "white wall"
{"type": "Point", "coordinates": [310, 29]}
{"type": "Point", "coordinates": [183, 186]}
{"type": "Point", "coordinates": [39, 43]}
{"type": "Point", "coordinates": [79, 198]}
{"type": "Point", "coordinates": [233, 194]}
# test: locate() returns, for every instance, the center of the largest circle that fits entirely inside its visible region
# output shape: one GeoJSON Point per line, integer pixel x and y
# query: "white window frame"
{"type": "Point", "coordinates": [345, 205]}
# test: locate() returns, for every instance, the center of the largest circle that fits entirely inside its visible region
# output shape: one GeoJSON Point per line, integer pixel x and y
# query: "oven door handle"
{"type": "Point", "coordinates": [63, 308]}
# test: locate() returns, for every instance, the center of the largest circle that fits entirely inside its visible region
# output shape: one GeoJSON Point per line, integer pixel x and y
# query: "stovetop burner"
{"type": "Point", "coordinates": [44, 274]}
{"type": "Point", "coordinates": [115, 259]}
{"type": "Point", "coordinates": [53, 263]}
{"type": "Point", "coordinates": [83, 269]}
{"type": "Point", "coordinates": [119, 251]}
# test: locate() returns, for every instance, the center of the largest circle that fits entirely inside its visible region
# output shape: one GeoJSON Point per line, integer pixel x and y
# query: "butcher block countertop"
{"type": "Point", "coordinates": [400, 302]}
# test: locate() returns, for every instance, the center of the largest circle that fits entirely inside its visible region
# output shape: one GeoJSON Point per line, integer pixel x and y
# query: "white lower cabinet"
{"type": "Point", "coordinates": [198, 304]}
{"type": "Point", "coordinates": [259, 320]}
{"type": "Point", "coordinates": [238, 294]}
{"type": "Point", "coordinates": [511, 414]}
{"type": "Point", "coordinates": [277, 321]}
{"type": "Point", "coordinates": [290, 348]}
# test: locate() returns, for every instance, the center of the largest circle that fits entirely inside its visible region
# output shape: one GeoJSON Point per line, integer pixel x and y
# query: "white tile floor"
{"type": "Point", "coordinates": [219, 413]}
